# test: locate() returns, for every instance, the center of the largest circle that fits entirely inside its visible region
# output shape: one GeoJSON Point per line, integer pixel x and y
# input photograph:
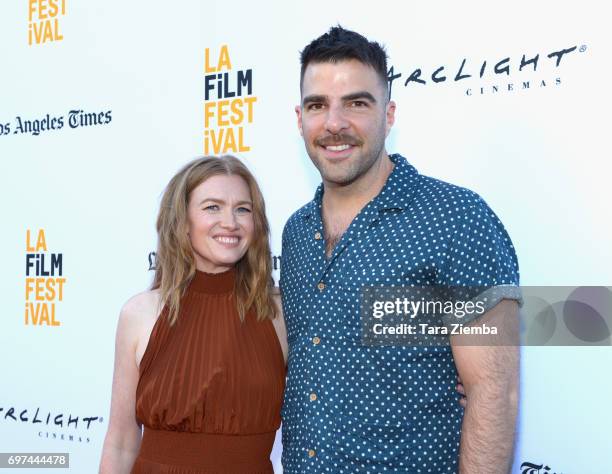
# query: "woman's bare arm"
{"type": "Point", "coordinates": [124, 433]}
{"type": "Point", "coordinates": [279, 325]}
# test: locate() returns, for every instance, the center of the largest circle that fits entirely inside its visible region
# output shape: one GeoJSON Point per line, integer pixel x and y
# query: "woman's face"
{"type": "Point", "coordinates": [220, 217]}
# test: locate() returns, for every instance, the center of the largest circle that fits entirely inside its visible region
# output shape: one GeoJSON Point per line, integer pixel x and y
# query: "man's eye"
{"type": "Point", "coordinates": [315, 106]}
{"type": "Point", "coordinates": [358, 103]}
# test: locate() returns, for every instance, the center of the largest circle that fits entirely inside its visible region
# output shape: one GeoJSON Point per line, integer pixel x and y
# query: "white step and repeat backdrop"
{"type": "Point", "coordinates": [102, 101]}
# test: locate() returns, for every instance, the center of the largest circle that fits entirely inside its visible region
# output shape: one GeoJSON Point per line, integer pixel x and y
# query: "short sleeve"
{"type": "Point", "coordinates": [480, 254]}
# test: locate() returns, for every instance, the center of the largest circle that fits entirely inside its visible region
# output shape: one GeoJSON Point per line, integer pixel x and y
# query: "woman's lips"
{"type": "Point", "coordinates": [226, 240]}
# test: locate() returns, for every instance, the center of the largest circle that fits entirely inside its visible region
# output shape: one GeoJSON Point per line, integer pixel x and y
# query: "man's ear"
{"type": "Point", "coordinates": [390, 116]}
{"type": "Point", "coordinates": [298, 112]}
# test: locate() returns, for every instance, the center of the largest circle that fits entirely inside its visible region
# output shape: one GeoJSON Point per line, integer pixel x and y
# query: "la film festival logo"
{"type": "Point", "coordinates": [44, 24]}
{"type": "Point", "coordinates": [228, 104]}
{"type": "Point", "coordinates": [44, 283]}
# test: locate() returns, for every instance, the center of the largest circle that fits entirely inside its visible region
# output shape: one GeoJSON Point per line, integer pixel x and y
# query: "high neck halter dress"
{"type": "Point", "coordinates": [210, 388]}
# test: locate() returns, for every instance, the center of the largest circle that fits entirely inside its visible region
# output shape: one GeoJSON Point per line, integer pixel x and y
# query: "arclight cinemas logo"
{"type": "Point", "coordinates": [485, 76]}
{"type": "Point", "coordinates": [52, 424]}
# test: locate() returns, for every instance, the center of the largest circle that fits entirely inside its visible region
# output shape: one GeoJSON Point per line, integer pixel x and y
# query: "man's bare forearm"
{"type": "Point", "coordinates": [487, 434]}
{"type": "Point", "coordinates": [489, 369]}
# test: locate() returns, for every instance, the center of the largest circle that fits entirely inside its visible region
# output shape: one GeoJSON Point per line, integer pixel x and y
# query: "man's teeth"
{"type": "Point", "coordinates": [227, 240]}
{"type": "Point", "coordinates": [338, 147]}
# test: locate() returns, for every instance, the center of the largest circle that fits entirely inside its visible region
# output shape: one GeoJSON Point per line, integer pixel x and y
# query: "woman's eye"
{"type": "Point", "coordinates": [243, 210]}
{"type": "Point", "coordinates": [212, 207]}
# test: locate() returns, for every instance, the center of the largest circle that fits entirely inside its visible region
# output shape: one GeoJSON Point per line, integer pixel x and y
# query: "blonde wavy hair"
{"type": "Point", "coordinates": [175, 262]}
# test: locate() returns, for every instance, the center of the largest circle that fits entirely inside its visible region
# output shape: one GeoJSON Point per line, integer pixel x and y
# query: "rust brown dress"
{"type": "Point", "coordinates": [210, 388]}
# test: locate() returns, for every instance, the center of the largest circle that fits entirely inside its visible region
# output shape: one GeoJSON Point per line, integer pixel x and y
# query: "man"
{"type": "Point", "coordinates": [376, 221]}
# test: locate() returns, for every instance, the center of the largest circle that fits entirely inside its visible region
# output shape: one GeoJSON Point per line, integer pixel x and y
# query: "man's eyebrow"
{"type": "Point", "coordinates": [313, 98]}
{"type": "Point", "coordinates": [345, 98]}
{"type": "Point", "coordinates": [359, 95]}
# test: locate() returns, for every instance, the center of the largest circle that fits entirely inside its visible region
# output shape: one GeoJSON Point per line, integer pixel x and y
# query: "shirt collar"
{"type": "Point", "coordinates": [397, 193]}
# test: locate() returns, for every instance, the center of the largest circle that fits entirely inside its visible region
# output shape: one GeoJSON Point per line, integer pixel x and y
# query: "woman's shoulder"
{"type": "Point", "coordinates": [141, 308]}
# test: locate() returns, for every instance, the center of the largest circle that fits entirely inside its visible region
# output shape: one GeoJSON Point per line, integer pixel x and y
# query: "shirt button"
{"type": "Point", "coordinates": [312, 453]}
{"type": "Point", "coordinates": [316, 340]}
{"type": "Point", "coordinates": [321, 286]}
{"type": "Point", "coordinates": [313, 397]}
{"type": "Point", "coordinates": [318, 236]}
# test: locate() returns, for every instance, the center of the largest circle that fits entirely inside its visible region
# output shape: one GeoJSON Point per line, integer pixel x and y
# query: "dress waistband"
{"type": "Point", "coordinates": [227, 453]}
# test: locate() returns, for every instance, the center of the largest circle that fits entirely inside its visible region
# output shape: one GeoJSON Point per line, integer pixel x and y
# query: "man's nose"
{"type": "Point", "coordinates": [336, 119]}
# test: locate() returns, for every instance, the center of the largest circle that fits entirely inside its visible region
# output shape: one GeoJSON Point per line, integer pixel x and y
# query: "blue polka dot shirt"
{"type": "Point", "coordinates": [351, 408]}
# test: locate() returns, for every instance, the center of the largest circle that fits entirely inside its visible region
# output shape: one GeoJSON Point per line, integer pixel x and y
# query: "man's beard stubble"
{"type": "Point", "coordinates": [357, 165]}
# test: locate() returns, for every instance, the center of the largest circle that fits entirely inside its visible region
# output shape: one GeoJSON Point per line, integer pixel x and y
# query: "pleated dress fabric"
{"type": "Point", "coordinates": [210, 388]}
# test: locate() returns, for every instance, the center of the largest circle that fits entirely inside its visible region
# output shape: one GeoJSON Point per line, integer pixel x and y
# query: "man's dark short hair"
{"type": "Point", "coordinates": [339, 45]}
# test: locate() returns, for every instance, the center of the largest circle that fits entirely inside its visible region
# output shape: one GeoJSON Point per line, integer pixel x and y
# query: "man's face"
{"type": "Point", "coordinates": [344, 119]}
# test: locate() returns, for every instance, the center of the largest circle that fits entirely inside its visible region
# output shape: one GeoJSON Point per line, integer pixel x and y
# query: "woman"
{"type": "Point", "coordinates": [205, 375]}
